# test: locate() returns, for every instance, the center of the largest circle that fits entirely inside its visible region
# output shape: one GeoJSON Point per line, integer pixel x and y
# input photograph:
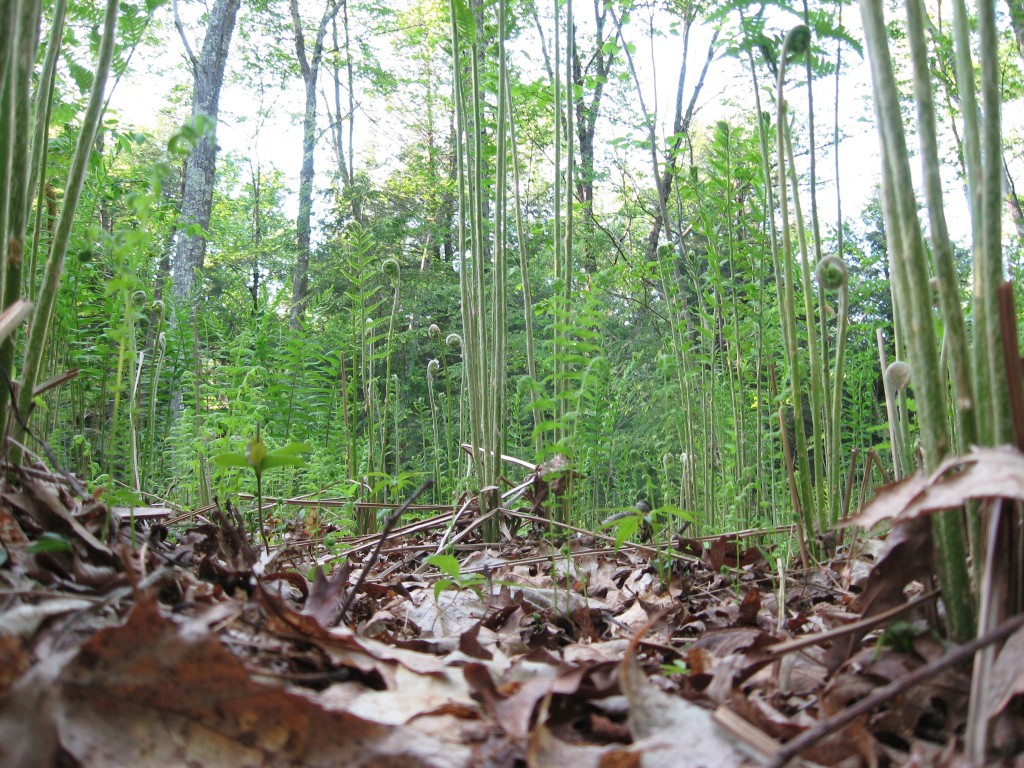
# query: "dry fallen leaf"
{"type": "Point", "coordinates": [984, 473]}
{"type": "Point", "coordinates": [907, 557]}
{"type": "Point", "coordinates": [151, 694]}
{"type": "Point", "coordinates": [1007, 675]}
{"type": "Point", "coordinates": [669, 730]}
{"type": "Point", "coordinates": [251, 671]}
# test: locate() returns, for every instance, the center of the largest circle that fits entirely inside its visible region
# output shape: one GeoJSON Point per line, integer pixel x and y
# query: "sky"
{"type": "Point", "coordinates": [275, 138]}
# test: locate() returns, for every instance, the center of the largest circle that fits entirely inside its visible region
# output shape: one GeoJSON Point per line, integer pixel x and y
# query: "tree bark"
{"type": "Point", "coordinates": [310, 67]}
{"type": "Point", "coordinates": [599, 64]}
{"type": "Point", "coordinates": [680, 127]}
{"type": "Point", "coordinates": [197, 196]}
{"type": "Point", "coordinates": [1016, 8]}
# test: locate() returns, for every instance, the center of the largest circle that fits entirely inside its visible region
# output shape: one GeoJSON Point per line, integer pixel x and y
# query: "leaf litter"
{"type": "Point", "coordinates": [180, 643]}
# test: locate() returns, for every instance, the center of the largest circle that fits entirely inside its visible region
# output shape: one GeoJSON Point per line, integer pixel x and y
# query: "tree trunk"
{"type": "Point", "coordinates": [257, 237]}
{"type": "Point", "coordinates": [599, 64]}
{"type": "Point", "coordinates": [1016, 8]}
{"type": "Point", "coordinates": [310, 66]}
{"type": "Point", "coordinates": [303, 227]}
{"type": "Point", "coordinates": [344, 148]}
{"type": "Point", "coordinates": [680, 127]}
{"type": "Point", "coordinates": [197, 197]}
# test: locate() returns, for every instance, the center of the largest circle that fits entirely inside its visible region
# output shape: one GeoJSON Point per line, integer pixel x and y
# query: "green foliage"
{"type": "Point", "coordinates": [49, 543]}
{"type": "Point", "coordinates": [452, 569]}
{"type": "Point", "coordinates": [651, 372]}
{"type": "Point", "coordinates": [259, 460]}
{"type": "Point", "coordinates": [193, 130]}
{"type": "Point", "coordinates": [676, 667]}
{"type": "Point", "coordinates": [625, 527]}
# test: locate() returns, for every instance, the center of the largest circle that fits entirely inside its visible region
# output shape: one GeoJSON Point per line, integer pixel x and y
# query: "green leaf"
{"type": "Point", "coordinates": [682, 514]}
{"type": "Point", "coordinates": [473, 581]}
{"type": "Point", "coordinates": [446, 564]}
{"type": "Point", "coordinates": [181, 143]}
{"type": "Point", "coordinates": [548, 424]}
{"type": "Point", "coordinates": [230, 460]}
{"type": "Point", "coordinates": [441, 586]}
{"type": "Point", "coordinates": [273, 460]}
{"type": "Point", "coordinates": [50, 542]}
{"type": "Point", "coordinates": [292, 449]}
{"type": "Point", "coordinates": [677, 667]}
{"type": "Point", "coordinates": [465, 21]}
{"type": "Point", "coordinates": [624, 528]}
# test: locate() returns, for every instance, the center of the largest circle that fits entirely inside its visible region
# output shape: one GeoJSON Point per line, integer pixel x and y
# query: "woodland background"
{"type": "Point", "coordinates": [632, 306]}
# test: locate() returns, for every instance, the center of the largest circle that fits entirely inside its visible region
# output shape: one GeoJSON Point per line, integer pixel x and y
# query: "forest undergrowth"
{"type": "Point", "coordinates": [569, 434]}
{"type": "Point", "coordinates": [144, 637]}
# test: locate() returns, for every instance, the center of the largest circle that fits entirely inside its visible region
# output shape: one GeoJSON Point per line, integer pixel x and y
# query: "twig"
{"type": "Point", "coordinates": [462, 534]}
{"type": "Point", "coordinates": [56, 381]}
{"type": "Point", "coordinates": [393, 518]}
{"type": "Point", "coordinates": [861, 625]}
{"type": "Point", "coordinates": [193, 61]}
{"type": "Point", "coordinates": [881, 695]}
{"type": "Point", "coordinates": [73, 481]}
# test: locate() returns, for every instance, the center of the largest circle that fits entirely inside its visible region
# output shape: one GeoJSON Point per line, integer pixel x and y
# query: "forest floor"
{"type": "Point", "coordinates": [182, 643]}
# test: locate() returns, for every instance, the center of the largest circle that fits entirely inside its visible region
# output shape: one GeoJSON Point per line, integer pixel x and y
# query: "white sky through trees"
{"type": "Point", "coordinates": [265, 123]}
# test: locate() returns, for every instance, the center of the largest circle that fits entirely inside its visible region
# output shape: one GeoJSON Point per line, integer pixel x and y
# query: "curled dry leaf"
{"type": "Point", "coordinates": [326, 596]}
{"type": "Point", "coordinates": [669, 730]}
{"type": "Point", "coordinates": [548, 751]}
{"type": "Point", "coordinates": [907, 557]}
{"type": "Point", "coordinates": [1007, 675]}
{"type": "Point", "coordinates": [514, 710]}
{"type": "Point", "coordinates": [984, 473]}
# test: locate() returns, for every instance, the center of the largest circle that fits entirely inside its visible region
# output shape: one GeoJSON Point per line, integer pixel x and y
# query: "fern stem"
{"type": "Point", "coordinates": [39, 329]}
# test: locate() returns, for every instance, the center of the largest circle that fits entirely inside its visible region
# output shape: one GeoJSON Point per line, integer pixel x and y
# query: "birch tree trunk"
{"type": "Point", "coordinates": [197, 196]}
{"type": "Point", "coordinates": [309, 64]}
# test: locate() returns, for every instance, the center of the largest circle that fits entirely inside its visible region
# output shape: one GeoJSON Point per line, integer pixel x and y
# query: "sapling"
{"type": "Point", "coordinates": [451, 341]}
{"type": "Point", "coordinates": [895, 380]}
{"type": "Point", "coordinates": [392, 268]}
{"type": "Point", "coordinates": [434, 331]}
{"type": "Point", "coordinates": [259, 459]}
{"type": "Point", "coordinates": [44, 102]}
{"type": "Point", "coordinates": [159, 351]}
{"type": "Point", "coordinates": [796, 42]}
{"type": "Point", "coordinates": [453, 576]}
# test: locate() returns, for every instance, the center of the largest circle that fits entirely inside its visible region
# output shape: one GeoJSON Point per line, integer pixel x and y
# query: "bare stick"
{"type": "Point", "coordinates": [813, 735]}
{"type": "Point", "coordinates": [393, 518]}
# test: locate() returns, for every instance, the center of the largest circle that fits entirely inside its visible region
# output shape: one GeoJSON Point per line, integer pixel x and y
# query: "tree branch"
{"type": "Point", "coordinates": [184, 40]}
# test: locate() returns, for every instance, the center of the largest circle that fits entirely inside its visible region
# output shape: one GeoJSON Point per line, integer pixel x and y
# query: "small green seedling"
{"type": "Point", "coordinates": [650, 524]}
{"type": "Point", "coordinates": [50, 542]}
{"type": "Point", "coordinates": [899, 637]}
{"type": "Point", "coordinates": [259, 459]}
{"type": "Point", "coordinates": [316, 569]}
{"type": "Point", "coordinates": [452, 569]}
{"type": "Point", "coordinates": [677, 667]}
{"type": "Point", "coordinates": [626, 522]}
